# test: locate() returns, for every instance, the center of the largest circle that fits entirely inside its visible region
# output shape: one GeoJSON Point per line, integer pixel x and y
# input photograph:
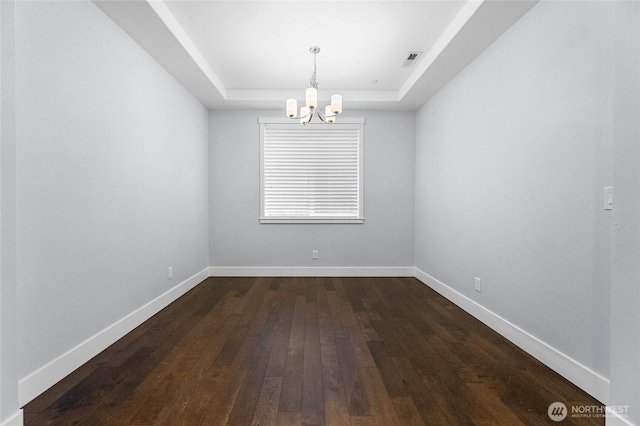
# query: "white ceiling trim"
{"type": "Point", "coordinates": [324, 95]}
{"type": "Point", "coordinates": [152, 25]}
{"type": "Point", "coordinates": [458, 23]}
{"type": "Point", "coordinates": [181, 36]}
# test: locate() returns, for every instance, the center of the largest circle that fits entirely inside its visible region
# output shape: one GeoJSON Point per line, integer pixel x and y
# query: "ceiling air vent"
{"type": "Point", "coordinates": [410, 59]}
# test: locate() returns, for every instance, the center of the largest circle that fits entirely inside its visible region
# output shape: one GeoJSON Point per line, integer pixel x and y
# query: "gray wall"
{"type": "Point", "coordinates": [111, 178]}
{"type": "Point", "coordinates": [511, 160]}
{"type": "Point", "coordinates": [625, 285]}
{"type": "Point", "coordinates": [8, 284]}
{"type": "Point", "coordinates": [384, 240]}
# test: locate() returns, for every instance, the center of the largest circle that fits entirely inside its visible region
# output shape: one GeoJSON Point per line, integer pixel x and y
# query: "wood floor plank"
{"type": "Point", "coordinates": [498, 409]}
{"type": "Point", "coordinates": [241, 369]}
{"type": "Point", "coordinates": [312, 381]}
{"type": "Point", "coordinates": [396, 334]}
{"type": "Point", "coordinates": [260, 328]}
{"type": "Point", "coordinates": [225, 397]}
{"type": "Point", "coordinates": [362, 421]}
{"type": "Point", "coordinates": [331, 374]}
{"type": "Point", "coordinates": [296, 337]}
{"type": "Point", "coordinates": [181, 370]}
{"type": "Point", "coordinates": [407, 411]}
{"type": "Point", "coordinates": [121, 387]}
{"type": "Point", "coordinates": [454, 404]}
{"type": "Point", "coordinates": [325, 323]}
{"type": "Point", "coordinates": [337, 321]}
{"type": "Point", "coordinates": [368, 332]}
{"type": "Point", "coordinates": [244, 407]}
{"type": "Point", "coordinates": [309, 350]}
{"type": "Point", "coordinates": [424, 401]}
{"type": "Point", "coordinates": [381, 404]}
{"type": "Point", "coordinates": [392, 379]}
{"type": "Point", "coordinates": [357, 401]}
{"type": "Point", "coordinates": [266, 412]}
{"type": "Point", "coordinates": [291, 396]}
{"type": "Point", "coordinates": [360, 348]}
{"type": "Point", "coordinates": [280, 346]}
{"type": "Point", "coordinates": [289, 418]}
{"type": "Point", "coordinates": [336, 411]}
{"type": "Point", "coordinates": [192, 404]}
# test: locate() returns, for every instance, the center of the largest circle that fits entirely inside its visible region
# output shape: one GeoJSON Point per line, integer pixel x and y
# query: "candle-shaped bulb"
{"type": "Point", "coordinates": [312, 97]}
{"type": "Point", "coordinates": [336, 104]}
{"type": "Point", "coordinates": [292, 107]}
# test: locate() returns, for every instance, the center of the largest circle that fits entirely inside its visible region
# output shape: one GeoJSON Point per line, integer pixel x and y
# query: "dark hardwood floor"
{"type": "Point", "coordinates": [287, 351]}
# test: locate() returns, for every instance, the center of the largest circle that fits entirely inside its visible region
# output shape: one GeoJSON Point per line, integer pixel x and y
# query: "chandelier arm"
{"type": "Point", "coordinates": [324, 117]}
{"type": "Point", "coordinates": [302, 117]}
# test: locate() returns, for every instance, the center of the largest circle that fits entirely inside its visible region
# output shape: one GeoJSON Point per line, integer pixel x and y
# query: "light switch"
{"type": "Point", "coordinates": [608, 198]}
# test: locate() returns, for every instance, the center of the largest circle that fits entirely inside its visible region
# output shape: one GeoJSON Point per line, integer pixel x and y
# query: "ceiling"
{"type": "Point", "coordinates": [255, 54]}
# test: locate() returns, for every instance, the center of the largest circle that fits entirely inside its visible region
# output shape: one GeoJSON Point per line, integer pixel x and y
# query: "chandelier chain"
{"type": "Point", "coordinates": [313, 82]}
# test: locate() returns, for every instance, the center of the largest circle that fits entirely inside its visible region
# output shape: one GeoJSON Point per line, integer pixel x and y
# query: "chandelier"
{"type": "Point", "coordinates": [311, 100]}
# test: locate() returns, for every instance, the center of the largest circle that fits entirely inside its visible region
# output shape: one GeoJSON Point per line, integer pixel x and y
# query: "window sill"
{"type": "Point", "coordinates": [307, 221]}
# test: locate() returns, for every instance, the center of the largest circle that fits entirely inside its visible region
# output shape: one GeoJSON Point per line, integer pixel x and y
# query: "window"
{"type": "Point", "coordinates": [312, 173]}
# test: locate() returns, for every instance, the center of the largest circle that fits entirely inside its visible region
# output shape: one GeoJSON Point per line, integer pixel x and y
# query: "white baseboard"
{"type": "Point", "coordinates": [586, 379]}
{"type": "Point", "coordinates": [287, 271]}
{"type": "Point", "coordinates": [42, 379]}
{"type": "Point", "coordinates": [16, 419]}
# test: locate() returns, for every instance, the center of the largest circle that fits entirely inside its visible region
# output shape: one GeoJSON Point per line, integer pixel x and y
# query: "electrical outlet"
{"type": "Point", "coordinates": [170, 272]}
{"type": "Point", "coordinates": [314, 254]}
{"type": "Point", "coordinates": [478, 285]}
{"type": "Point", "coordinates": [608, 198]}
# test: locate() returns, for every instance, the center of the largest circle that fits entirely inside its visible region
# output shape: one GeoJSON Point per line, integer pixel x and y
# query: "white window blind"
{"type": "Point", "coordinates": [311, 173]}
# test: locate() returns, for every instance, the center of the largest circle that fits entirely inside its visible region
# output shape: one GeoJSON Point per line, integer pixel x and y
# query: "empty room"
{"type": "Point", "coordinates": [319, 212]}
